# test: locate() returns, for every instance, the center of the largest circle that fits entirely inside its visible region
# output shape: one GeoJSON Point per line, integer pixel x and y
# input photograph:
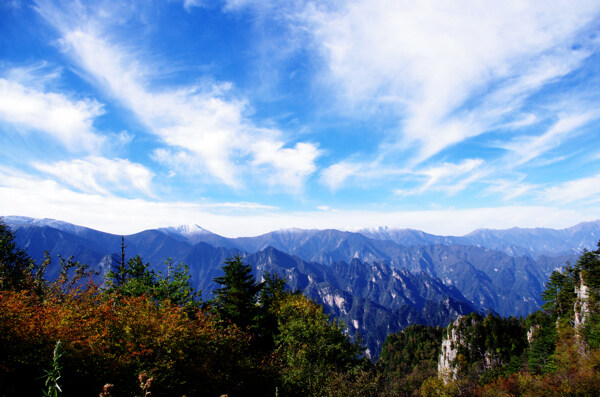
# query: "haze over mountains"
{"type": "Point", "coordinates": [377, 280]}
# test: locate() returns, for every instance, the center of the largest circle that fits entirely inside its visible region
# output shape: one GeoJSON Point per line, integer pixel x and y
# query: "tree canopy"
{"type": "Point", "coordinates": [237, 298]}
{"type": "Point", "coordinates": [16, 267]}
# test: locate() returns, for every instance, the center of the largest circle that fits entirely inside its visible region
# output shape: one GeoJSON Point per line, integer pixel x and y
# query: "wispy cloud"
{"type": "Point", "coordinates": [585, 190]}
{"type": "Point", "coordinates": [68, 121]}
{"type": "Point", "coordinates": [434, 58]}
{"type": "Point", "coordinates": [448, 177]}
{"type": "Point", "coordinates": [189, 4]}
{"type": "Point", "coordinates": [528, 148]}
{"type": "Point", "coordinates": [339, 174]}
{"type": "Point", "coordinates": [203, 124]}
{"type": "Point", "coordinates": [451, 175]}
{"type": "Point", "coordinates": [445, 74]}
{"type": "Point", "coordinates": [335, 175]}
{"type": "Point", "coordinates": [289, 167]}
{"type": "Point", "coordinates": [100, 175]}
{"type": "Point", "coordinates": [32, 196]}
{"type": "Point", "coordinates": [511, 189]}
{"type": "Point", "coordinates": [231, 103]}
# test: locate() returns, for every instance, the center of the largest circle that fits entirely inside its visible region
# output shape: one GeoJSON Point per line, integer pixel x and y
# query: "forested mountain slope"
{"type": "Point", "coordinates": [370, 280]}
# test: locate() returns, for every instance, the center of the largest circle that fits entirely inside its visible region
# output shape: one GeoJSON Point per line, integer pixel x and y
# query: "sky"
{"type": "Point", "coordinates": [246, 116]}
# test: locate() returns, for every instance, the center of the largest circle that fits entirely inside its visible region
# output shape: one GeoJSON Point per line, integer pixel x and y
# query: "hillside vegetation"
{"type": "Point", "coordinates": [141, 332]}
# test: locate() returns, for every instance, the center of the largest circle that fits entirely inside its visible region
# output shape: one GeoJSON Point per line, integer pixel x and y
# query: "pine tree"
{"type": "Point", "coordinates": [16, 267]}
{"type": "Point", "coordinates": [589, 263]}
{"type": "Point", "coordinates": [237, 299]}
{"type": "Point", "coordinates": [272, 291]}
{"type": "Point", "coordinates": [559, 293]}
{"type": "Point", "coordinates": [176, 285]}
{"type": "Point", "coordinates": [134, 279]}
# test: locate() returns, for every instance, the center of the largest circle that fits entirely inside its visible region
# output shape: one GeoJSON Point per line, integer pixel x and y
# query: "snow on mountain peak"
{"type": "Point", "coordinates": [188, 230]}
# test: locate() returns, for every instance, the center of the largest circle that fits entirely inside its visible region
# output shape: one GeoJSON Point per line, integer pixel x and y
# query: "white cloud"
{"type": "Point", "coordinates": [427, 59]}
{"type": "Point", "coordinates": [529, 148]}
{"type": "Point", "coordinates": [365, 173]}
{"type": "Point", "coordinates": [335, 175]}
{"type": "Point", "coordinates": [100, 175]}
{"type": "Point", "coordinates": [522, 120]}
{"type": "Point", "coordinates": [22, 194]}
{"type": "Point", "coordinates": [584, 190]}
{"type": "Point", "coordinates": [285, 166]}
{"type": "Point", "coordinates": [67, 121]}
{"type": "Point", "coordinates": [448, 177]}
{"type": "Point", "coordinates": [203, 125]}
{"type": "Point", "coordinates": [511, 189]}
{"type": "Point", "coordinates": [448, 173]}
{"type": "Point", "coordinates": [188, 4]}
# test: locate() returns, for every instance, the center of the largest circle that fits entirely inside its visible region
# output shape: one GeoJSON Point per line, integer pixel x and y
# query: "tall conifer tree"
{"type": "Point", "coordinates": [237, 299]}
{"type": "Point", "coordinates": [16, 267]}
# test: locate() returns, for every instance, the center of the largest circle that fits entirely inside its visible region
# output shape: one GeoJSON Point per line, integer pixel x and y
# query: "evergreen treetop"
{"type": "Point", "coordinates": [16, 267]}
{"type": "Point", "coordinates": [237, 299]}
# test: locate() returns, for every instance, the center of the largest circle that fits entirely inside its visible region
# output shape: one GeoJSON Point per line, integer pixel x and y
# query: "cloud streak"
{"type": "Point", "coordinates": [433, 64]}
{"type": "Point", "coordinates": [365, 173]}
{"type": "Point", "coordinates": [37, 197]}
{"type": "Point", "coordinates": [216, 109]}
{"type": "Point", "coordinates": [51, 113]}
{"type": "Point", "coordinates": [528, 148]}
{"type": "Point", "coordinates": [205, 125]}
{"type": "Point", "coordinates": [100, 175]}
{"type": "Point", "coordinates": [586, 190]}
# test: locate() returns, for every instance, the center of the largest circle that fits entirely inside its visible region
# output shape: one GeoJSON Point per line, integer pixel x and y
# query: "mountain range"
{"type": "Point", "coordinates": [376, 280]}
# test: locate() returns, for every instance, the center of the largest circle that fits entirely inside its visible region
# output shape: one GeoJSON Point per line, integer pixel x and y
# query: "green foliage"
{"type": "Point", "coordinates": [145, 331]}
{"type": "Point", "coordinates": [435, 387]}
{"type": "Point", "coordinates": [311, 349]}
{"type": "Point", "coordinates": [136, 278]}
{"type": "Point", "coordinates": [359, 381]}
{"type": "Point", "coordinates": [544, 334]}
{"type": "Point", "coordinates": [409, 357]}
{"type": "Point", "coordinates": [559, 293]}
{"type": "Point", "coordinates": [17, 269]}
{"type": "Point", "coordinates": [488, 346]}
{"type": "Point", "coordinates": [237, 299]}
{"type": "Point", "coordinates": [176, 285]}
{"type": "Point", "coordinates": [591, 330]}
{"type": "Point", "coordinates": [405, 350]}
{"type": "Point", "coordinates": [561, 359]}
{"type": "Point", "coordinates": [272, 291]}
{"type": "Point", "coordinates": [589, 263]}
{"type": "Point", "coordinates": [53, 375]}
{"type": "Point", "coordinates": [107, 338]}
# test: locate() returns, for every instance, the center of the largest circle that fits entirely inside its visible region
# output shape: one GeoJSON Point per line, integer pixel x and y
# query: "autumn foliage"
{"type": "Point", "coordinates": [142, 333]}
{"type": "Point", "coordinates": [111, 339]}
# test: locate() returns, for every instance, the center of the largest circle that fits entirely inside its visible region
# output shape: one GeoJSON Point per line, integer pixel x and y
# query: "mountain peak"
{"type": "Point", "coordinates": [290, 230]}
{"type": "Point", "coordinates": [49, 222]}
{"type": "Point", "coordinates": [187, 230]}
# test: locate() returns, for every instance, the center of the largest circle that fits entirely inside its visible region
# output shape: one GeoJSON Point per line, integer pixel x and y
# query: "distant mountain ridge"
{"type": "Point", "coordinates": [515, 241]}
{"type": "Point", "coordinates": [378, 280]}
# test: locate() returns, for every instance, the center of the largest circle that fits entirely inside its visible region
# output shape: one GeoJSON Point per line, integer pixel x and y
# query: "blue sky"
{"type": "Point", "coordinates": [247, 116]}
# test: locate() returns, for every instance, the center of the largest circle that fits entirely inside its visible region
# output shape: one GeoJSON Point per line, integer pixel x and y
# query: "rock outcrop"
{"type": "Point", "coordinates": [473, 345]}
{"type": "Point", "coordinates": [447, 365]}
{"type": "Point", "coordinates": [581, 307]}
